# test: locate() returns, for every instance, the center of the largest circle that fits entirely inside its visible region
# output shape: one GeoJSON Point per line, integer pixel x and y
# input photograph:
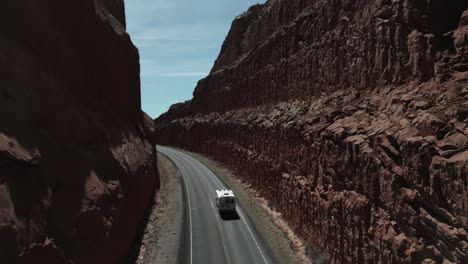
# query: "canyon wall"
{"type": "Point", "coordinates": [77, 154]}
{"type": "Point", "coordinates": [350, 117]}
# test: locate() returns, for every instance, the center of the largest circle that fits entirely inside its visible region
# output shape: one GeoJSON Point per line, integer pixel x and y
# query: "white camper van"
{"type": "Point", "coordinates": [225, 200]}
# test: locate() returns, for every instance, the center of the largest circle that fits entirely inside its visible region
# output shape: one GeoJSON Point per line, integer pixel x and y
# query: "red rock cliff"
{"type": "Point", "coordinates": [77, 154]}
{"type": "Point", "coordinates": [350, 117]}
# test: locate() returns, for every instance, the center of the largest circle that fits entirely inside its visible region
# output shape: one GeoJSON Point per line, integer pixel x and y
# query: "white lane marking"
{"type": "Point", "coordinates": [183, 155]}
{"type": "Point", "coordinates": [220, 229]}
{"type": "Point", "coordinates": [190, 214]}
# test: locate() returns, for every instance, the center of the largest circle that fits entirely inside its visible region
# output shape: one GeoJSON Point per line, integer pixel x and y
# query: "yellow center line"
{"type": "Point", "coordinates": [220, 229]}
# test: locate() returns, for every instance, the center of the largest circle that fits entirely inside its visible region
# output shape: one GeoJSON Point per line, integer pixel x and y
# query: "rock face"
{"type": "Point", "coordinates": [77, 154]}
{"type": "Point", "coordinates": [350, 117]}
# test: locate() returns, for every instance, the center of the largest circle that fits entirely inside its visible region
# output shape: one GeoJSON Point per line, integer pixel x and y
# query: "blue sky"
{"type": "Point", "coordinates": [179, 41]}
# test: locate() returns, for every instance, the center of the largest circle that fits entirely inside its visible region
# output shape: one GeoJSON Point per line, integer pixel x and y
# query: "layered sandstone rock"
{"type": "Point", "coordinates": [77, 155]}
{"type": "Point", "coordinates": [350, 117]}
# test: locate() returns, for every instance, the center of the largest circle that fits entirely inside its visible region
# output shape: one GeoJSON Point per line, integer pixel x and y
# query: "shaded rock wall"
{"type": "Point", "coordinates": [350, 117]}
{"type": "Point", "coordinates": [77, 154]}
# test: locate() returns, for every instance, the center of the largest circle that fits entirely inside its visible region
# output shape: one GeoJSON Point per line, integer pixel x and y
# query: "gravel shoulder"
{"type": "Point", "coordinates": [287, 246]}
{"type": "Point", "coordinates": [163, 231]}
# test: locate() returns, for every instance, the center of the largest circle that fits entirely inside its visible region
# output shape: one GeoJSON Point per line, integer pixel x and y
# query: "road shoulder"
{"type": "Point", "coordinates": [274, 231]}
{"type": "Point", "coordinates": [163, 231]}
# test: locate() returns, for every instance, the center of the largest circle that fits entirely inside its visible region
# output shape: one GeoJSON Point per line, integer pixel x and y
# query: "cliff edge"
{"type": "Point", "coordinates": [77, 154]}
{"type": "Point", "coordinates": [350, 117]}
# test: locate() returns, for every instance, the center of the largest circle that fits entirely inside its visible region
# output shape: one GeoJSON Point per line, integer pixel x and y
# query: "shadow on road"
{"type": "Point", "coordinates": [229, 216]}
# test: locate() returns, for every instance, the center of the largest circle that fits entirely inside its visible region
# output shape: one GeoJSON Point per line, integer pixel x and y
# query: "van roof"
{"type": "Point", "coordinates": [224, 193]}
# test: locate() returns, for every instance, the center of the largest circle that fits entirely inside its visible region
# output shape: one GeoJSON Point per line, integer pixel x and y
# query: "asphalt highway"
{"type": "Point", "coordinates": [207, 236]}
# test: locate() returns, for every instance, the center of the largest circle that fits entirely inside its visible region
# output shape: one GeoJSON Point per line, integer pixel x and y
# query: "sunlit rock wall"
{"type": "Point", "coordinates": [350, 117]}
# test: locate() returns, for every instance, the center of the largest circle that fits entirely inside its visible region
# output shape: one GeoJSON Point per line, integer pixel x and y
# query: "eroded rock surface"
{"type": "Point", "coordinates": [77, 154]}
{"type": "Point", "coordinates": [350, 117]}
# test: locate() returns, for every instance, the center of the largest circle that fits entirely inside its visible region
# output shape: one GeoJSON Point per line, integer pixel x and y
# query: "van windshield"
{"type": "Point", "coordinates": [227, 200]}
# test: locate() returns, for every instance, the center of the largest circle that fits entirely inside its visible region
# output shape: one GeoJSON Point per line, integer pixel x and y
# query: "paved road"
{"type": "Point", "coordinates": [210, 238]}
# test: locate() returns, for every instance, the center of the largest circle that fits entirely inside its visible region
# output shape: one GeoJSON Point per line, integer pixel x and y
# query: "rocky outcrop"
{"type": "Point", "coordinates": [77, 154]}
{"type": "Point", "coordinates": [350, 117]}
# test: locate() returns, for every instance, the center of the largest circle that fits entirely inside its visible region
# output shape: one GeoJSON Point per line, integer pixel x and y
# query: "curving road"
{"type": "Point", "coordinates": [207, 237]}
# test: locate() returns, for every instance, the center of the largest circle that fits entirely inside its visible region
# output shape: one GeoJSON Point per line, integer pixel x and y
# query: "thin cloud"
{"type": "Point", "coordinates": [149, 40]}
{"type": "Point", "coordinates": [152, 69]}
{"type": "Point", "coordinates": [184, 74]}
{"type": "Point", "coordinates": [165, 38]}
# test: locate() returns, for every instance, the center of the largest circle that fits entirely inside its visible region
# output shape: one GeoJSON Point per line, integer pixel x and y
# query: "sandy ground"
{"type": "Point", "coordinates": [162, 234]}
{"type": "Point", "coordinates": [286, 245]}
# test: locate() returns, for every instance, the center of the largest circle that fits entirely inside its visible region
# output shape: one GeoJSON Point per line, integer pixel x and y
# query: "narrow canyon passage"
{"type": "Point", "coordinates": [341, 124]}
{"type": "Point", "coordinates": [212, 237]}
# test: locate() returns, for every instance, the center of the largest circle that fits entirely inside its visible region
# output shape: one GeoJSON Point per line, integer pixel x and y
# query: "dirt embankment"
{"type": "Point", "coordinates": [161, 239]}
